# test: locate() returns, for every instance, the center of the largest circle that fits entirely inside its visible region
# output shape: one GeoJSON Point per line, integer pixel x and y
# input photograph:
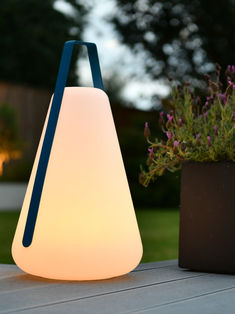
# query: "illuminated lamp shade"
{"type": "Point", "coordinates": [77, 221]}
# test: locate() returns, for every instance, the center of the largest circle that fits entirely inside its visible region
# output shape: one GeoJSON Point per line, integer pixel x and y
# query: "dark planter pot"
{"type": "Point", "coordinates": [207, 217]}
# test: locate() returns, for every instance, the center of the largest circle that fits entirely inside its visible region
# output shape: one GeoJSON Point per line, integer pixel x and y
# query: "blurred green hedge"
{"type": "Point", "coordinates": [165, 192]}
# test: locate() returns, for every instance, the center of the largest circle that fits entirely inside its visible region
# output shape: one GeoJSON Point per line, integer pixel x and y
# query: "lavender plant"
{"type": "Point", "coordinates": [194, 131]}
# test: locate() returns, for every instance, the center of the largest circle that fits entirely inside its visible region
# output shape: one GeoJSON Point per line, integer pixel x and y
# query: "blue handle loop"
{"type": "Point", "coordinates": [51, 127]}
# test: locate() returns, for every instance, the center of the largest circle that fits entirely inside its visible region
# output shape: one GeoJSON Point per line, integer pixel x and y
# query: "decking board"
{"type": "Point", "coordinates": [159, 287]}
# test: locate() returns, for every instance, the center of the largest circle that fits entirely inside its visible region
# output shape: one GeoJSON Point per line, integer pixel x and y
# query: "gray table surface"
{"type": "Point", "coordinates": [159, 288]}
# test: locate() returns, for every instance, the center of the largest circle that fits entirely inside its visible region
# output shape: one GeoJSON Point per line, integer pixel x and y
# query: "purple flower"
{"type": "Point", "coordinates": [146, 130]}
{"type": "Point", "coordinates": [151, 153]}
{"type": "Point", "coordinates": [180, 122]}
{"type": "Point", "coordinates": [176, 143]}
{"type": "Point", "coordinates": [169, 135]}
{"type": "Point", "coordinates": [230, 82]}
{"type": "Point", "coordinates": [233, 68]}
{"type": "Point", "coordinates": [169, 117]}
{"type": "Point", "coordinates": [208, 141]}
{"type": "Point", "coordinates": [150, 156]}
{"type": "Point", "coordinates": [150, 150]}
{"type": "Point", "coordinates": [215, 129]}
{"type": "Point", "coordinates": [223, 98]}
{"type": "Point", "coordinates": [161, 118]}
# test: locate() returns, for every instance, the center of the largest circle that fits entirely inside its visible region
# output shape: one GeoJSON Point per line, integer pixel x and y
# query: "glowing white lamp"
{"type": "Point", "coordinates": [77, 221]}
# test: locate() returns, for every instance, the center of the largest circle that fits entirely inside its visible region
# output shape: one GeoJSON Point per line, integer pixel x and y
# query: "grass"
{"type": "Point", "coordinates": [159, 231]}
{"type": "Point", "coordinates": [158, 228]}
{"type": "Point", "coordinates": [8, 221]}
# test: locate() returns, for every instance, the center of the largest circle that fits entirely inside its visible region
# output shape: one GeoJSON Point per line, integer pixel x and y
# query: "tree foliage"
{"type": "Point", "coordinates": [181, 37]}
{"type": "Point", "coordinates": [32, 36]}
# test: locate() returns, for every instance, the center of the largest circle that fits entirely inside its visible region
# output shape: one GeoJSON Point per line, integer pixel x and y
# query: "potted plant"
{"type": "Point", "coordinates": [200, 138]}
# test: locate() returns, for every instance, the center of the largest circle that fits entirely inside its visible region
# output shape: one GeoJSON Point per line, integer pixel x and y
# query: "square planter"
{"type": "Point", "coordinates": [207, 217]}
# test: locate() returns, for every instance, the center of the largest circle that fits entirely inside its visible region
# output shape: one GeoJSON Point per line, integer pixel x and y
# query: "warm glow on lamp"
{"type": "Point", "coordinates": [77, 221]}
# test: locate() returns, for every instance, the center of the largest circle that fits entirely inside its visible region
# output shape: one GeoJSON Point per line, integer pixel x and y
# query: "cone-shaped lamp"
{"type": "Point", "coordinates": [77, 221]}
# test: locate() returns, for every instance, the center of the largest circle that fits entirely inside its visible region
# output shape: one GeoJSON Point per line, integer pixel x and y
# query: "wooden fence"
{"type": "Point", "coordinates": [30, 105]}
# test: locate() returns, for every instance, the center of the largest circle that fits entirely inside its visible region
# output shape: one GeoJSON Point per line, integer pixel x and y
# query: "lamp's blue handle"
{"type": "Point", "coordinates": [51, 127]}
